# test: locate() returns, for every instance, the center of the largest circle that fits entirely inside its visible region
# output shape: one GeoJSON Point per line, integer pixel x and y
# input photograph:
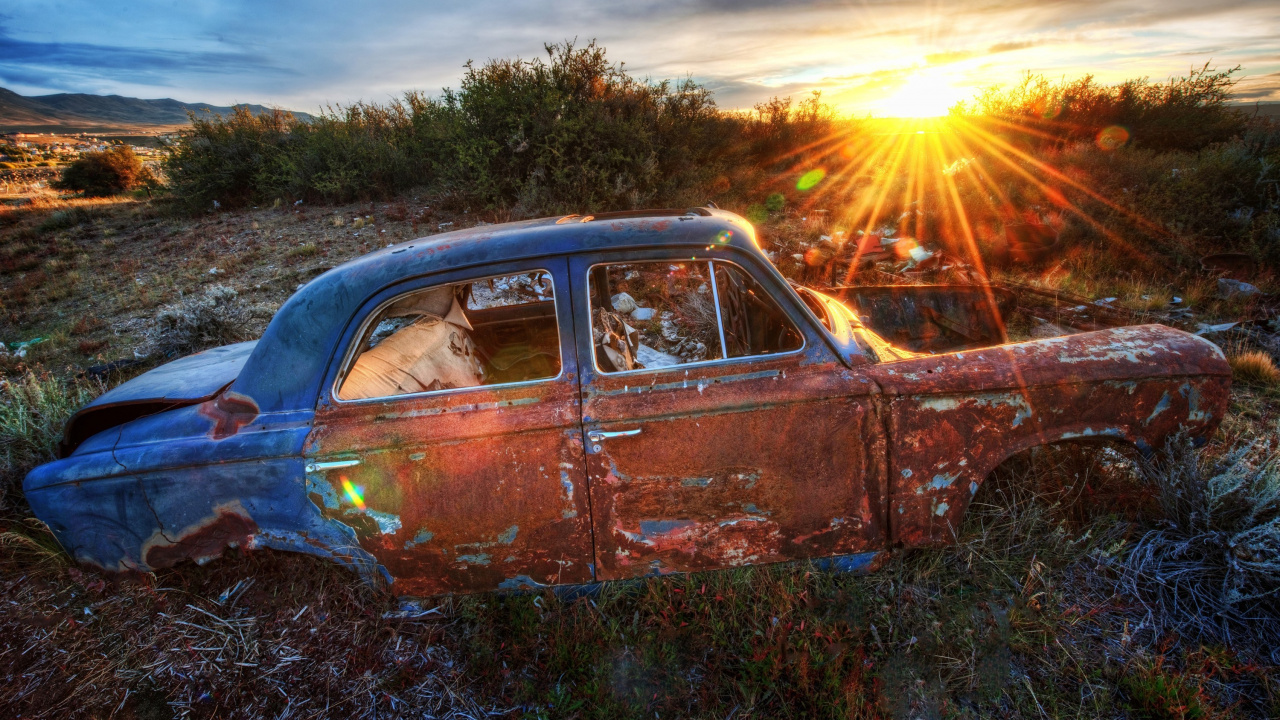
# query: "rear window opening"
{"type": "Point", "coordinates": [491, 331]}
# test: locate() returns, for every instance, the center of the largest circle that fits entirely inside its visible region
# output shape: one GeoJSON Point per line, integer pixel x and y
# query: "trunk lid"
{"type": "Point", "coordinates": [186, 381]}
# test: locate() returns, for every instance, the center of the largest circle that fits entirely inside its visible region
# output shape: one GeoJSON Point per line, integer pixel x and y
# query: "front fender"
{"type": "Point", "coordinates": [954, 418]}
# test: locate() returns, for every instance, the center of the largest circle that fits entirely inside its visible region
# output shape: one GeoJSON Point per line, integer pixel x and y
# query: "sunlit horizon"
{"type": "Point", "coordinates": [910, 59]}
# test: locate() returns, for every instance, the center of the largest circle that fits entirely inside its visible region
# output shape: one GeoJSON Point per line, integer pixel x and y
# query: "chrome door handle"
{"type": "Point", "coordinates": [332, 465]}
{"type": "Point", "coordinates": [598, 435]}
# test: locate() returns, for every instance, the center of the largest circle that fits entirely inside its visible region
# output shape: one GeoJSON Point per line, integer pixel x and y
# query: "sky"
{"type": "Point", "coordinates": [869, 57]}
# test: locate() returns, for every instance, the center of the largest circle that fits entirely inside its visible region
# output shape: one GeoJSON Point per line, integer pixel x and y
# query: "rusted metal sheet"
{"type": "Point", "coordinates": [954, 418]}
{"type": "Point", "coordinates": [459, 492]}
{"type": "Point", "coordinates": [735, 464]}
{"type": "Point", "coordinates": [933, 318]}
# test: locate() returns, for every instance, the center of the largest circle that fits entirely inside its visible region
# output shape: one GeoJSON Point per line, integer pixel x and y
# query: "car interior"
{"type": "Point", "coordinates": [491, 331]}
{"type": "Point", "coordinates": [657, 314]}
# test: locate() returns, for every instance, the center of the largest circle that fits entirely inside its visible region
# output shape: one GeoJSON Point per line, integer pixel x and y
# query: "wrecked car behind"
{"type": "Point", "coordinates": [565, 434]}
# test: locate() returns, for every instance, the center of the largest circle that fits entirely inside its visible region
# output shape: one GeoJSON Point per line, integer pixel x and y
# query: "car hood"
{"type": "Point", "coordinates": [187, 381]}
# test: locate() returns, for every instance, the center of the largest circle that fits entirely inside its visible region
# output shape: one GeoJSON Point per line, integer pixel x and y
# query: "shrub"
{"type": "Point", "coordinates": [569, 132]}
{"type": "Point", "coordinates": [1212, 568]}
{"type": "Point", "coordinates": [107, 172]}
{"type": "Point", "coordinates": [1184, 113]}
{"type": "Point", "coordinates": [232, 160]}
{"type": "Point", "coordinates": [33, 409]}
{"type": "Point", "coordinates": [216, 317]}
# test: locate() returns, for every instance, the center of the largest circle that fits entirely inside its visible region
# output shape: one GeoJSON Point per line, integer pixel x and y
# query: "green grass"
{"type": "Point", "coordinates": [33, 409]}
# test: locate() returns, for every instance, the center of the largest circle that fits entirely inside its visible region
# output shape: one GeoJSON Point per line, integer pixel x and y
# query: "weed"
{"type": "Point", "coordinates": [1155, 694]}
{"type": "Point", "coordinates": [89, 347]}
{"type": "Point", "coordinates": [303, 251]}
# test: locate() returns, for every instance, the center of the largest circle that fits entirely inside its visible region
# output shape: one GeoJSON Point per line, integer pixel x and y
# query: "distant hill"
{"type": "Point", "coordinates": [1261, 109]}
{"type": "Point", "coordinates": [78, 112]}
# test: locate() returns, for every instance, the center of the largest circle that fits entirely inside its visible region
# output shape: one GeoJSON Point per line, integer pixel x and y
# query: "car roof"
{"type": "Point", "coordinates": [284, 371]}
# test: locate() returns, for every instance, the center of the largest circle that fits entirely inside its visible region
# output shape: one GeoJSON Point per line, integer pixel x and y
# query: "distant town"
{"type": "Point", "coordinates": [20, 150]}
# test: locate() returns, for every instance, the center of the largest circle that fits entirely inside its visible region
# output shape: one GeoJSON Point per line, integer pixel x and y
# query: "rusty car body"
{"type": "Point", "coordinates": [833, 445]}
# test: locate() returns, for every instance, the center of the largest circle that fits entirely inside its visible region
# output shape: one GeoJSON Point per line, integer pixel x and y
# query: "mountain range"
{"type": "Point", "coordinates": [80, 112]}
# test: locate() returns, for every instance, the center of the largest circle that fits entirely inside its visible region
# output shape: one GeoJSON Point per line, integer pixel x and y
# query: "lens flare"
{"type": "Point", "coordinates": [810, 180]}
{"type": "Point", "coordinates": [724, 236]}
{"type": "Point", "coordinates": [353, 493]}
{"type": "Point", "coordinates": [1112, 137]}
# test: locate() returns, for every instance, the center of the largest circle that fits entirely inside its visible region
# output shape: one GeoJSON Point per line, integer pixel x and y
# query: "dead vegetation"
{"type": "Point", "coordinates": [218, 316]}
{"type": "Point", "coordinates": [1210, 568]}
{"type": "Point", "coordinates": [256, 636]}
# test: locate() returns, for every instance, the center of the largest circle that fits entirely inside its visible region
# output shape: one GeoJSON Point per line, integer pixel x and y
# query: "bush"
{"type": "Point", "coordinates": [231, 160]}
{"type": "Point", "coordinates": [569, 132]}
{"type": "Point", "coordinates": [1185, 113]}
{"type": "Point", "coordinates": [33, 409]}
{"type": "Point", "coordinates": [107, 172]}
{"type": "Point", "coordinates": [1212, 568]}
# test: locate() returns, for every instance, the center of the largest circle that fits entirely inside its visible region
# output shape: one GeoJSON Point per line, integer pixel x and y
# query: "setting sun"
{"type": "Point", "coordinates": [921, 95]}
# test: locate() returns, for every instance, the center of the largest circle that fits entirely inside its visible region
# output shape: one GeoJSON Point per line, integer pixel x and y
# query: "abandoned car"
{"type": "Point", "coordinates": [584, 399]}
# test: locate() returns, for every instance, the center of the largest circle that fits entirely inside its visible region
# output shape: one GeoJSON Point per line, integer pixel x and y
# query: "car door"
{"type": "Point", "coordinates": [702, 452]}
{"type": "Point", "coordinates": [459, 466]}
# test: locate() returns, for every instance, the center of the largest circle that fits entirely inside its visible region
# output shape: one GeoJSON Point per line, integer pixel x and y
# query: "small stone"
{"type": "Point", "coordinates": [623, 303]}
{"type": "Point", "coordinates": [642, 313]}
{"type": "Point", "coordinates": [1228, 289]}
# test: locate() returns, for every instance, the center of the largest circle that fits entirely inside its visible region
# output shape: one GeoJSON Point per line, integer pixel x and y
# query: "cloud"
{"type": "Point", "coordinates": [53, 64]}
{"type": "Point", "coordinates": [1264, 88]}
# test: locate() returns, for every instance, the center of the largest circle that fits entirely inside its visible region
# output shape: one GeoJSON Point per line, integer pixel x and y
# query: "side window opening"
{"type": "Point", "coordinates": [489, 331]}
{"type": "Point", "coordinates": [661, 314]}
{"type": "Point", "coordinates": [753, 322]}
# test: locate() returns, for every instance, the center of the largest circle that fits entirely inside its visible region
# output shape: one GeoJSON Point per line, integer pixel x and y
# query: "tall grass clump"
{"type": "Point", "coordinates": [1211, 568]}
{"type": "Point", "coordinates": [33, 409]}
{"type": "Point", "coordinates": [1254, 367]}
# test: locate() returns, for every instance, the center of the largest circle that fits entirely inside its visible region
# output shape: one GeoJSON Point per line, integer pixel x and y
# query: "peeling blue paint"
{"type": "Point", "coordinates": [1160, 407]}
{"type": "Point", "coordinates": [422, 536]}
{"type": "Point", "coordinates": [388, 524]}
{"type": "Point", "coordinates": [520, 582]}
{"type": "Point", "coordinates": [662, 527]}
{"type": "Point", "coordinates": [508, 536]}
{"type": "Point", "coordinates": [477, 559]}
{"type": "Point", "coordinates": [943, 481]}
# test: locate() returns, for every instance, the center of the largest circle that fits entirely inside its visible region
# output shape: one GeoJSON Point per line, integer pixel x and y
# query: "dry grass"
{"type": "Point", "coordinates": [1254, 367]}
{"type": "Point", "coordinates": [218, 316]}
{"type": "Point", "coordinates": [250, 637]}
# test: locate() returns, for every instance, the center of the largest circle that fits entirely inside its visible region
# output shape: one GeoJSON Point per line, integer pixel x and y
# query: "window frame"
{"type": "Point", "coordinates": [350, 355]}
{"type": "Point", "coordinates": [595, 364]}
